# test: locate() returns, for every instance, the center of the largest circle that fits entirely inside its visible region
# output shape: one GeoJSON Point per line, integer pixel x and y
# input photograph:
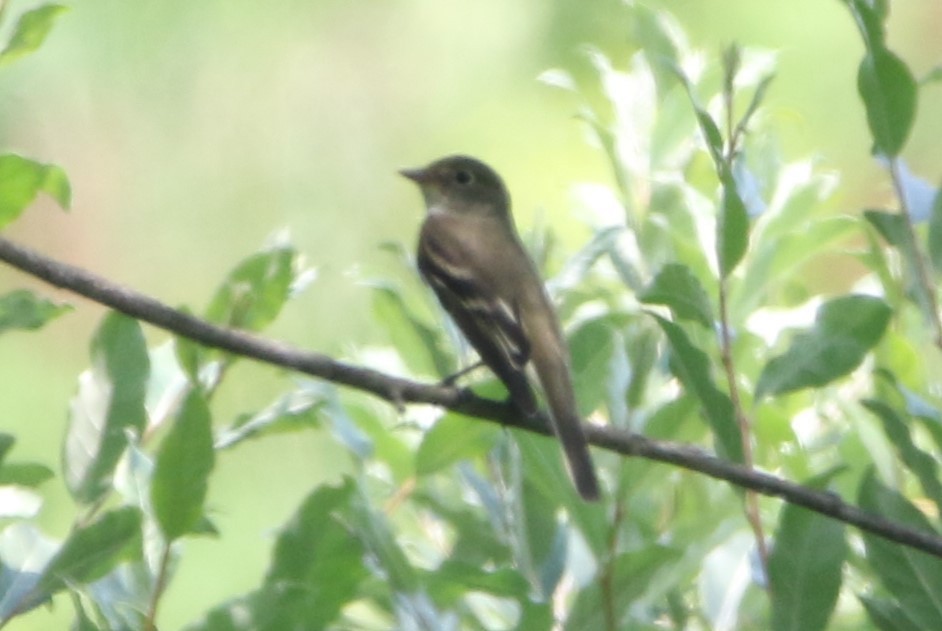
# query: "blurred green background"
{"type": "Point", "coordinates": [192, 131]}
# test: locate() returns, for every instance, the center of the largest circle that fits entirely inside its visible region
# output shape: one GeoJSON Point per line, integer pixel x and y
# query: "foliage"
{"type": "Point", "coordinates": [694, 314]}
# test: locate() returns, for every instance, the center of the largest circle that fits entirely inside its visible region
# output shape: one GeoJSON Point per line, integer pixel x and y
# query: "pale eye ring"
{"type": "Point", "coordinates": [463, 177]}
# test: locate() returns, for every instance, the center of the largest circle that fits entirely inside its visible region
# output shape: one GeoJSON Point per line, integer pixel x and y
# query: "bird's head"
{"type": "Point", "coordinates": [460, 184]}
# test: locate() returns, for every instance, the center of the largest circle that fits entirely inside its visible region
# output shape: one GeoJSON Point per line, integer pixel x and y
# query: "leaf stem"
{"type": "Point", "coordinates": [609, 597]}
{"type": "Point", "coordinates": [160, 582]}
{"type": "Point", "coordinates": [745, 431]}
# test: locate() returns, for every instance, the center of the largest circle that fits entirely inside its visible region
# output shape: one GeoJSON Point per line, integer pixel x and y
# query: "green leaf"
{"type": "Point", "coordinates": [870, 16]}
{"type": "Point", "coordinates": [82, 621]}
{"type": "Point", "coordinates": [591, 346]}
{"type": "Point", "coordinates": [22, 179]}
{"type": "Point", "coordinates": [805, 567]}
{"type": "Point", "coordinates": [757, 97]}
{"type": "Point", "coordinates": [778, 260]}
{"type": "Point", "coordinates": [453, 438]}
{"type": "Point", "coordinates": [844, 331]}
{"type": "Point", "coordinates": [92, 550]}
{"type": "Point", "coordinates": [6, 443]}
{"type": "Point", "coordinates": [887, 615]}
{"type": "Point", "coordinates": [692, 367]}
{"type": "Point", "coordinates": [374, 531]}
{"type": "Point", "coordinates": [22, 309]}
{"type": "Point", "coordinates": [317, 566]}
{"type": "Point", "coordinates": [190, 355]}
{"type": "Point", "coordinates": [892, 227]}
{"type": "Point", "coordinates": [617, 381]}
{"type": "Point", "coordinates": [912, 577]}
{"type": "Point", "coordinates": [417, 342]}
{"type": "Point", "coordinates": [641, 345]}
{"type": "Point", "coordinates": [546, 537]}
{"type": "Point", "coordinates": [181, 472]}
{"type": "Point", "coordinates": [454, 579]}
{"type": "Point", "coordinates": [889, 93]}
{"type": "Point", "coordinates": [631, 573]}
{"type": "Point", "coordinates": [109, 402]}
{"type": "Point", "coordinates": [293, 411]}
{"type": "Point", "coordinates": [708, 127]}
{"type": "Point", "coordinates": [656, 32]}
{"type": "Point", "coordinates": [609, 142]}
{"type": "Point", "coordinates": [711, 133]}
{"type": "Point", "coordinates": [254, 293]}
{"type": "Point", "coordinates": [732, 228]}
{"type": "Point", "coordinates": [24, 552]}
{"type": "Point", "coordinates": [55, 184]}
{"type": "Point", "coordinates": [676, 287]}
{"type": "Point", "coordinates": [921, 463]}
{"type": "Point", "coordinates": [545, 476]}
{"type": "Point", "coordinates": [123, 597]}
{"type": "Point", "coordinates": [577, 267]}
{"type": "Point", "coordinates": [30, 474]}
{"type": "Point", "coordinates": [30, 32]}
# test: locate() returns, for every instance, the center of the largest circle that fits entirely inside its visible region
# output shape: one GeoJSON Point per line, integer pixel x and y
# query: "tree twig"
{"type": "Point", "coordinates": [397, 390]}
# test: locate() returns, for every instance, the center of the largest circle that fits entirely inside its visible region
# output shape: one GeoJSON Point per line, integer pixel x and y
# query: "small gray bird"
{"type": "Point", "coordinates": [471, 256]}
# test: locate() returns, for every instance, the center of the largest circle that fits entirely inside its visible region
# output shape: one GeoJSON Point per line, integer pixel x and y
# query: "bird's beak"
{"type": "Point", "coordinates": [419, 176]}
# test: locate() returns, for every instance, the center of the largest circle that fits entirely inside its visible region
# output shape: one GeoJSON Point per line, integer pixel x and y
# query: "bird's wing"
{"type": "Point", "coordinates": [490, 322]}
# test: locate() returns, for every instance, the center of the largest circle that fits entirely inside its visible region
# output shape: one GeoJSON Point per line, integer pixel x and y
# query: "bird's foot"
{"type": "Point", "coordinates": [450, 380]}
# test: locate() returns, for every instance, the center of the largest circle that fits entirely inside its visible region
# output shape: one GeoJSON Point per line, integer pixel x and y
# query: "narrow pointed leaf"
{"type": "Point", "coordinates": [24, 553]}
{"type": "Point", "coordinates": [22, 309]}
{"type": "Point", "coordinates": [110, 401]}
{"type": "Point", "coordinates": [451, 439]}
{"type": "Point", "coordinates": [889, 93]}
{"type": "Point", "coordinates": [631, 573]}
{"type": "Point", "coordinates": [675, 286]}
{"type": "Point", "coordinates": [181, 472]}
{"type": "Point", "coordinates": [892, 227]}
{"type": "Point", "coordinates": [921, 463]}
{"type": "Point", "coordinates": [692, 366]}
{"type": "Point", "coordinates": [914, 578]}
{"type": "Point", "coordinates": [22, 179]}
{"type": "Point", "coordinates": [806, 568]}
{"type": "Point", "coordinates": [887, 615]}
{"type": "Point", "coordinates": [732, 228]}
{"type": "Point", "coordinates": [317, 565]}
{"type": "Point", "coordinates": [92, 550]}
{"type": "Point", "coordinates": [255, 291]}
{"type": "Point", "coordinates": [844, 331]}
{"type": "Point", "coordinates": [30, 474]}
{"type": "Point", "coordinates": [418, 343]}
{"type": "Point", "coordinates": [30, 31]}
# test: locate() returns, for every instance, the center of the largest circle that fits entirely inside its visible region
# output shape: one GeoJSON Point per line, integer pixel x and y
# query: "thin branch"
{"type": "Point", "coordinates": [160, 583]}
{"type": "Point", "coordinates": [734, 132]}
{"type": "Point", "coordinates": [745, 429]}
{"type": "Point", "coordinates": [399, 391]}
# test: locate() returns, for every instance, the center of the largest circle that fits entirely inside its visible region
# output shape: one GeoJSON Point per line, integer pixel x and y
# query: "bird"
{"type": "Point", "coordinates": [471, 256]}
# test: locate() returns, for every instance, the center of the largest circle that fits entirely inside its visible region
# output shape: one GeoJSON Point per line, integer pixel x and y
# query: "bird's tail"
{"type": "Point", "coordinates": [553, 372]}
{"type": "Point", "coordinates": [577, 455]}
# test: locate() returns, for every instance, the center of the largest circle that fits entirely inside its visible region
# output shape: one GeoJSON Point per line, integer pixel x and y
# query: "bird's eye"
{"type": "Point", "coordinates": [463, 177]}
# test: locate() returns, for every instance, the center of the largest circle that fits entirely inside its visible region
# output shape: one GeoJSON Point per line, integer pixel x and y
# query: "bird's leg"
{"type": "Point", "coordinates": [451, 379]}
